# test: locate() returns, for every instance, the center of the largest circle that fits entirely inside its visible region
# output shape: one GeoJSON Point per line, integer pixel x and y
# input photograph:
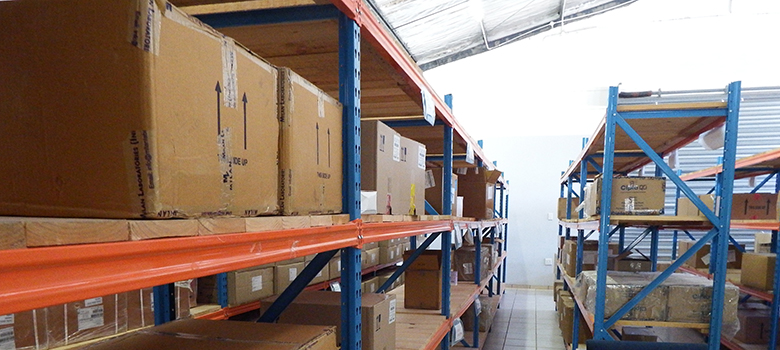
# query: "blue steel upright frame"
{"type": "Point", "coordinates": [719, 234]}
{"type": "Point", "coordinates": [349, 95]}
{"type": "Point", "coordinates": [446, 237]}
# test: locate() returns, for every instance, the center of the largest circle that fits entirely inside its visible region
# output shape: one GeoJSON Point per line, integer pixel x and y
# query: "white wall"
{"type": "Point", "coordinates": [533, 100]}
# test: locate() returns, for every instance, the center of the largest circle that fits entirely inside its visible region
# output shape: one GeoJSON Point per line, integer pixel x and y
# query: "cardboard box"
{"type": "Point", "coordinates": [86, 319]}
{"type": "Point", "coordinates": [377, 315]}
{"type": "Point", "coordinates": [133, 131]}
{"type": "Point", "coordinates": [754, 206]}
{"type": "Point", "coordinates": [574, 214]}
{"type": "Point", "coordinates": [631, 195]}
{"type": "Point", "coordinates": [464, 262]}
{"type": "Point", "coordinates": [758, 270]}
{"type": "Point", "coordinates": [285, 274]}
{"type": "Point", "coordinates": [702, 257]}
{"type": "Point", "coordinates": [434, 191]}
{"type": "Point", "coordinates": [321, 276]}
{"type": "Point", "coordinates": [485, 317]}
{"type": "Point", "coordinates": [643, 334]}
{"type": "Point", "coordinates": [140, 308]}
{"type": "Point", "coordinates": [334, 267]}
{"type": "Point", "coordinates": [24, 330]}
{"type": "Point", "coordinates": [693, 303]}
{"type": "Point", "coordinates": [389, 254]}
{"type": "Point", "coordinates": [370, 285]}
{"type": "Point", "coordinates": [250, 285]}
{"type": "Point", "coordinates": [310, 154]}
{"type": "Point", "coordinates": [557, 285]}
{"type": "Point", "coordinates": [589, 255]}
{"type": "Point", "coordinates": [762, 242]}
{"type": "Point", "coordinates": [394, 168]}
{"type": "Point", "coordinates": [423, 281]}
{"type": "Point", "coordinates": [622, 287]}
{"type": "Point", "coordinates": [477, 187]}
{"type": "Point", "coordinates": [754, 324]}
{"type": "Point", "coordinates": [566, 321]}
{"type": "Point", "coordinates": [686, 208]}
{"type": "Point", "coordinates": [369, 258]}
{"type": "Point", "coordinates": [618, 263]}
{"type": "Point", "coordinates": [228, 335]}
{"type": "Point", "coordinates": [413, 156]}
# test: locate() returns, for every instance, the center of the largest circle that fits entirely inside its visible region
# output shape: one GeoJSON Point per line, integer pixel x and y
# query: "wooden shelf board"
{"type": "Point", "coordinates": [663, 221]}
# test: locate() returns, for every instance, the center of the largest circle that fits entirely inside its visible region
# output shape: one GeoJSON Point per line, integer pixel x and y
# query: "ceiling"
{"type": "Point", "coordinates": [437, 32]}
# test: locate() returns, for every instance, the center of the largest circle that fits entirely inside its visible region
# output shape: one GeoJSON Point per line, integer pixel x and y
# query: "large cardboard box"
{"type": "Point", "coordinates": [434, 178]}
{"type": "Point", "coordinates": [622, 287]}
{"type": "Point", "coordinates": [228, 335]}
{"type": "Point", "coordinates": [423, 281]}
{"type": "Point", "coordinates": [590, 251]}
{"type": "Point", "coordinates": [369, 258]}
{"type": "Point", "coordinates": [464, 262]}
{"type": "Point", "coordinates": [86, 319]}
{"type": "Point", "coordinates": [389, 254]}
{"type": "Point", "coordinates": [370, 285]}
{"type": "Point", "coordinates": [631, 195]}
{"type": "Point", "coordinates": [250, 285]}
{"type": "Point", "coordinates": [377, 315]}
{"type": "Point", "coordinates": [566, 321]}
{"type": "Point", "coordinates": [754, 206]}
{"type": "Point", "coordinates": [574, 214]}
{"type": "Point", "coordinates": [143, 118]}
{"type": "Point", "coordinates": [486, 315]}
{"type": "Point", "coordinates": [394, 167]}
{"type": "Point", "coordinates": [686, 208]}
{"type": "Point", "coordinates": [702, 257]}
{"type": "Point", "coordinates": [619, 263]}
{"type": "Point", "coordinates": [24, 330]}
{"type": "Point", "coordinates": [477, 187]}
{"type": "Point", "coordinates": [693, 303]}
{"type": "Point", "coordinates": [758, 270]}
{"type": "Point", "coordinates": [284, 275]}
{"type": "Point", "coordinates": [140, 308]}
{"type": "Point", "coordinates": [754, 323]}
{"type": "Point", "coordinates": [310, 154]}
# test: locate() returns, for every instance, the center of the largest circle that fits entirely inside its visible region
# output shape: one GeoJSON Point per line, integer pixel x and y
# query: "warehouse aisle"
{"type": "Point", "coordinates": [526, 321]}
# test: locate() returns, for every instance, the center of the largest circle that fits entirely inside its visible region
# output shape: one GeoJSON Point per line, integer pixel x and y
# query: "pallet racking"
{"type": "Point", "coordinates": [343, 48]}
{"type": "Point", "coordinates": [637, 131]}
{"type": "Point", "coordinates": [766, 163]}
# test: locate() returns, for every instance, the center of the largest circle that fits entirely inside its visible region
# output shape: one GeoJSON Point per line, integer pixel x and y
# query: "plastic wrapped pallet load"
{"type": "Point", "coordinates": [682, 297]}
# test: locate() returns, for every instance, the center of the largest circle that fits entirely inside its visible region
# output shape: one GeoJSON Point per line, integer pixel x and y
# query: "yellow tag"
{"type": "Point", "coordinates": [412, 208]}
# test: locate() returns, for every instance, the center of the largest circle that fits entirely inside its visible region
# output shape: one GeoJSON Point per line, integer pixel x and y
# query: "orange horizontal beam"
{"type": "Point", "coordinates": [383, 231]}
{"type": "Point", "coordinates": [225, 313]}
{"type": "Point", "coordinates": [741, 163]}
{"type": "Point", "coordinates": [39, 277]}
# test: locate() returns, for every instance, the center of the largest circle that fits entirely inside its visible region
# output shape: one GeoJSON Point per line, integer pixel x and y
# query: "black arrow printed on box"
{"type": "Point", "coordinates": [245, 102]}
{"type": "Point", "coordinates": [218, 89]}
{"type": "Point", "coordinates": [329, 148]}
{"type": "Point", "coordinates": [317, 126]}
{"type": "Point", "coordinates": [768, 202]}
{"type": "Point", "coordinates": [746, 206]}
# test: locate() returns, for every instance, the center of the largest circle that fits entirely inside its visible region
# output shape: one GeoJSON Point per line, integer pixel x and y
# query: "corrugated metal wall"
{"type": "Point", "coordinates": [759, 131]}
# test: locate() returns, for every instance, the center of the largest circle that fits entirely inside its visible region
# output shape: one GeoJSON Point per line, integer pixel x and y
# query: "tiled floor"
{"type": "Point", "coordinates": [526, 321]}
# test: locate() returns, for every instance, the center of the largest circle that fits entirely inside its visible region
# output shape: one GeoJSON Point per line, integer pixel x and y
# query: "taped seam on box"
{"type": "Point", "coordinates": [145, 26]}
{"type": "Point", "coordinates": [229, 73]}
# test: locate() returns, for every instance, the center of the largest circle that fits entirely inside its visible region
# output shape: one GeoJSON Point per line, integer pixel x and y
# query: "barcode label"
{"type": "Point", "coordinates": [396, 148]}
{"type": "Point", "coordinates": [93, 301]}
{"type": "Point", "coordinates": [7, 339]}
{"type": "Point", "coordinates": [421, 157]}
{"type": "Point", "coordinates": [391, 318]}
{"type": "Point", "coordinates": [6, 320]}
{"type": "Point", "coordinates": [257, 283]}
{"type": "Point", "coordinates": [90, 317]}
{"type": "Point", "coordinates": [293, 273]}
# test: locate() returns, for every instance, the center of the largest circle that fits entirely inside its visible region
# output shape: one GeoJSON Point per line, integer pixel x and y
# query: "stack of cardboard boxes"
{"type": "Point", "coordinates": [378, 315]}
{"type": "Point", "coordinates": [84, 320]}
{"type": "Point", "coordinates": [680, 298]}
{"type": "Point", "coordinates": [565, 304]}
